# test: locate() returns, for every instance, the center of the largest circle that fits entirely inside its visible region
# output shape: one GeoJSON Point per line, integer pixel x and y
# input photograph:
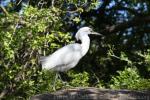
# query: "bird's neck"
{"type": "Point", "coordinates": [85, 43]}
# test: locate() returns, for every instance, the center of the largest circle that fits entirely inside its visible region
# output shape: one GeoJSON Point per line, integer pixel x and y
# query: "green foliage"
{"type": "Point", "coordinates": [146, 56]}
{"type": "Point", "coordinates": [129, 79]}
{"type": "Point", "coordinates": [22, 39]}
{"type": "Point", "coordinates": [121, 61]}
{"type": "Point", "coordinates": [143, 84]}
{"type": "Point", "coordinates": [79, 80]}
{"type": "Point", "coordinates": [126, 79]}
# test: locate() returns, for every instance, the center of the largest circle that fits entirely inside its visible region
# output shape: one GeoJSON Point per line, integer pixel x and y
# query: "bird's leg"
{"type": "Point", "coordinates": [64, 82]}
{"type": "Point", "coordinates": [56, 77]}
{"type": "Point", "coordinates": [54, 84]}
{"type": "Point", "coordinates": [60, 77]}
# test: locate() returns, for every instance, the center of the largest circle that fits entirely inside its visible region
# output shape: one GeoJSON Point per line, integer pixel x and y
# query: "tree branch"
{"type": "Point", "coordinates": [136, 21]}
{"type": "Point", "coordinates": [3, 93]}
{"type": "Point", "coordinates": [4, 10]}
{"type": "Point", "coordinates": [80, 93]}
{"type": "Point", "coordinates": [132, 11]}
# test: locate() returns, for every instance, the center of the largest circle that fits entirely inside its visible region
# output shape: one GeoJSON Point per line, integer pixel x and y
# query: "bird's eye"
{"type": "Point", "coordinates": [90, 30]}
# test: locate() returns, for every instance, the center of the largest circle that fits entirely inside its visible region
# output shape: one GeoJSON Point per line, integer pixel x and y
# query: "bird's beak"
{"type": "Point", "coordinates": [101, 35]}
{"type": "Point", "coordinates": [95, 33]}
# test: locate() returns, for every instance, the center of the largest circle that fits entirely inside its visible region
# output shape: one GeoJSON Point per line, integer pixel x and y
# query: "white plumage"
{"type": "Point", "coordinates": [68, 56]}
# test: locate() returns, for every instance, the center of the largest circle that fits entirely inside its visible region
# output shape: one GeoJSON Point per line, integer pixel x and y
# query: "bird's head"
{"type": "Point", "coordinates": [84, 31]}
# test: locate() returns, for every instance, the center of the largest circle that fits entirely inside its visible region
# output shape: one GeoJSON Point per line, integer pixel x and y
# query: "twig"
{"type": "Point", "coordinates": [30, 55]}
{"type": "Point", "coordinates": [19, 2]}
{"type": "Point", "coordinates": [4, 10]}
{"type": "Point", "coordinates": [13, 33]}
{"type": "Point", "coordinates": [41, 3]}
{"type": "Point", "coordinates": [3, 93]}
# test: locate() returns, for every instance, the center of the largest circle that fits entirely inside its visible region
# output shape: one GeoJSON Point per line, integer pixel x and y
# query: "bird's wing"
{"type": "Point", "coordinates": [62, 56]}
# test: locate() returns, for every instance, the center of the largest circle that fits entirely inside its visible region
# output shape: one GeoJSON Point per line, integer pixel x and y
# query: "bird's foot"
{"type": "Point", "coordinates": [54, 89]}
{"type": "Point", "coordinates": [66, 84]}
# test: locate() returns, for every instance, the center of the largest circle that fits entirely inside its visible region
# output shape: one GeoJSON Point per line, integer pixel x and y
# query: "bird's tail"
{"type": "Point", "coordinates": [46, 62]}
{"type": "Point", "coordinates": [43, 60]}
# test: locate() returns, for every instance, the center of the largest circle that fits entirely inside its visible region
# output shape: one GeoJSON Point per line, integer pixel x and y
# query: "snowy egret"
{"type": "Point", "coordinates": [68, 56]}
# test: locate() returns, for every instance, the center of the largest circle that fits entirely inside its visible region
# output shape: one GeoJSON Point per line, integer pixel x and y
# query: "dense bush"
{"type": "Point", "coordinates": [23, 40]}
{"type": "Point", "coordinates": [127, 79]}
{"type": "Point", "coordinates": [130, 78]}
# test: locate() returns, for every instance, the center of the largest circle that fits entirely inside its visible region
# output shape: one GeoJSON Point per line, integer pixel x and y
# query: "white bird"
{"type": "Point", "coordinates": [68, 56]}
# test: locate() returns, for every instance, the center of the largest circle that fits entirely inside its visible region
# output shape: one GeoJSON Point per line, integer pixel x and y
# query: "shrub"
{"type": "Point", "coordinates": [129, 79]}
